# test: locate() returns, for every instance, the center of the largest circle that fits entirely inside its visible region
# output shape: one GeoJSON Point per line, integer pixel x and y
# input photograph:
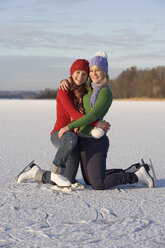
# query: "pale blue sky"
{"type": "Point", "coordinates": [39, 39]}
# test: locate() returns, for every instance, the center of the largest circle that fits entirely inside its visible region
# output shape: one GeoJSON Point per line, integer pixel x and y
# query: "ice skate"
{"type": "Point", "coordinates": [29, 172]}
{"type": "Point", "coordinates": [60, 180]}
{"type": "Point", "coordinates": [150, 165]}
{"type": "Point", "coordinates": [57, 176]}
{"type": "Point", "coordinates": [74, 186]}
{"type": "Point", "coordinates": [143, 176]}
{"type": "Point", "coordinates": [61, 189]}
{"type": "Point", "coordinates": [133, 168]}
{"type": "Point", "coordinates": [77, 185]}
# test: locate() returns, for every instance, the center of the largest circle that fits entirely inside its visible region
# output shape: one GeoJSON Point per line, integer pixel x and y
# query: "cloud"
{"type": "Point", "coordinates": [119, 20]}
{"type": "Point", "coordinates": [32, 72]}
{"type": "Point", "coordinates": [36, 34]}
{"type": "Point", "coordinates": [36, 73]}
{"type": "Point", "coordinates": [43, 28]}
{"type": "Point", "coordinates": [59, 1]}
{"type": "Point", "coordinates": [122, 45]}
{"type": "Point", "coordinates": [32, 38]}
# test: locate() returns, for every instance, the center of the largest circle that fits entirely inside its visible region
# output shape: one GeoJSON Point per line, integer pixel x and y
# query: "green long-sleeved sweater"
{"type": "Point", "coordinates": [102, 104]}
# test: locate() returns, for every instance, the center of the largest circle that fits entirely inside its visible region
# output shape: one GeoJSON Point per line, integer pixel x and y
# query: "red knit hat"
{"type": "Point", "coordinates": [79, 64]}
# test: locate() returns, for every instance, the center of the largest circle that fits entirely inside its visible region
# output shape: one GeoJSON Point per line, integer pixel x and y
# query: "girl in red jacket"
{"type": "Point", "coordinates": [69, 107]}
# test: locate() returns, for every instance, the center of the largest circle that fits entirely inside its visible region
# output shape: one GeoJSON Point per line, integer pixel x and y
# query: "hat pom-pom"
{"type": "Point", "coordinates": [101, 54]}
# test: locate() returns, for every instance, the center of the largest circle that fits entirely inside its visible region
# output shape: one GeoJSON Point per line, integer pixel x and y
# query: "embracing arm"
{"type": "Point", "coordinates": [67, 102]}
{"type": "Point", "coordinates": [100, 108]}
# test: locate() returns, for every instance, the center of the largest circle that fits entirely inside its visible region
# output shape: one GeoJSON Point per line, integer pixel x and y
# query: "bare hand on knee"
{"type": "Point", "coordinates": [62, 131]}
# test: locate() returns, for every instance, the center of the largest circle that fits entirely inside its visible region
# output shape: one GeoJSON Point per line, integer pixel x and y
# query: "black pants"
{"type": "Point", "coordinates": [93, 165]}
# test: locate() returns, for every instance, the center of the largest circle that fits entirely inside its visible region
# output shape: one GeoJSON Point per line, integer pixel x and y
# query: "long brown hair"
{"type": "Point", "coordinates": [79, 92]}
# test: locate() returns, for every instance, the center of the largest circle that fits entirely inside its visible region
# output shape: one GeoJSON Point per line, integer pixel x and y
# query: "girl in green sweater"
{"type": "Point", "coordinates": [94, 151]}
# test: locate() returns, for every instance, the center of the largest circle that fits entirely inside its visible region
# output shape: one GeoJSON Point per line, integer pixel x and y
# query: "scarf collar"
{"type": "Point", "coordinates": [95, 92]}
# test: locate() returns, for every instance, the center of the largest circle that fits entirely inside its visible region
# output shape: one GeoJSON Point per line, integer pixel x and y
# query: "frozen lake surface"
{"type": "Point", "coordinates": [32, 215]}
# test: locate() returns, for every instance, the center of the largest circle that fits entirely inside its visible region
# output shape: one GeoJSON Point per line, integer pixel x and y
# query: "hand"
{"type": "Point", "coordinates": [104, 125]}
{"type": "Point", "coordinates": [65, 84]}
{"type": "Point", "coordinates": [62, 131]}
{"type": "Point", "coordinates": [76, 129]}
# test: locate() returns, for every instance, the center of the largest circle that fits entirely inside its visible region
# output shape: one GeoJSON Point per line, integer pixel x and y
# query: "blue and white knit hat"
{"type": "Point", "coordinates": [101, 60]}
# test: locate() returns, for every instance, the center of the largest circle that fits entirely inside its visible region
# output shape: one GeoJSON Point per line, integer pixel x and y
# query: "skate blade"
{"type": "Point", "coordinates": [61, 189]}
{"type": "Point", "coordinates": [153, 172]}
{"type": "Point", "coordinates": [32, 162]}
{"type": "Point", "coordinates": [147, 167]}
{"type": "Point", "coordinates": [76, 186]}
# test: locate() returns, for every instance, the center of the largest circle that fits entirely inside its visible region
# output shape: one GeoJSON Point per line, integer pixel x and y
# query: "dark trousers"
{"type": "Point", "coordinates": [93, 165]}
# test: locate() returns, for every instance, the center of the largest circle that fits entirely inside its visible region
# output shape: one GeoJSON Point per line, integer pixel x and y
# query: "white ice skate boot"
{"type": "Point", "coordinates": [60, 180]}
{"type": "Point", "coordinates": [133, 168]}
{"type": "Point", "coordinates": [57, 176]}
{"type": "Point", "coordinates": [28, 173]}
{"type": "Point", "coordinates": [144, 177]}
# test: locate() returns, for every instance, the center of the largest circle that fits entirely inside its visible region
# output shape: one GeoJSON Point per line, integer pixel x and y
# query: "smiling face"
{"type": "Point", "coordinates": [79, 77]}
{"type": "Point", "coordinates": [96, 74]}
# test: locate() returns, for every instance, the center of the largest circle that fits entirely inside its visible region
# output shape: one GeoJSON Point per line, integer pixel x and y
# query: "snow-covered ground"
{"type": "Point", "coordinates": [32, 215]}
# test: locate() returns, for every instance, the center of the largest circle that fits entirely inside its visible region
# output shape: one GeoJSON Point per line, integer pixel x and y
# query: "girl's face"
{"type": "Point", "coordinates": [79, 77]}
{"type": "Point", "coordinates": [96, 74]}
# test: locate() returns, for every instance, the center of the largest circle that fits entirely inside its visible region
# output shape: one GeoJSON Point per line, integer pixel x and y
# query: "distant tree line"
{"type": "Point", "coordinates": [134, 83]}
{"type": "Point", "coordinates": [131, 83]}
{"type": "Point", "coordinates": [47, 94]}
{"type": "Point", "coordinates": [18, 94]}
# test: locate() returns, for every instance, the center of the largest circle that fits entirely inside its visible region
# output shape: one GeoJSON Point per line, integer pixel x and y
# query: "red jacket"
{"type": "Point", "coordinates": [65, 110]}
